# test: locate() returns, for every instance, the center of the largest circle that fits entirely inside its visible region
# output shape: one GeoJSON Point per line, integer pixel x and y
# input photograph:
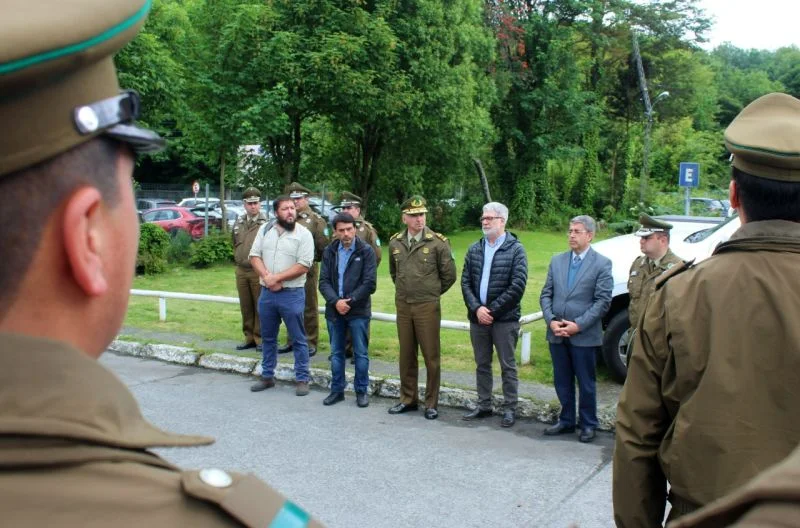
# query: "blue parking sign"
{"type": "Point", "coordinates": [689, 175]}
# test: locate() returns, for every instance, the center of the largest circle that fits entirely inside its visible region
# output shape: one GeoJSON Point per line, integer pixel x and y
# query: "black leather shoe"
{"type": "Point", "coordinates": [284, 349]}
{"type": "Point", "coordinates": [559, 429]}
{"type": "Point", "coordinates": [431, 414]}
{"type": "Point", "coordinates": [245, 346]}
{"type": "Point", "coordinates": [401, 408]}
{"type": "Point", "coordinates": [509, 418]}
{"type": "Point", "coordinates": [362, 400]}
{"type": "Point", "coordinates": [312, 352]}
{"type": "Point", "coordinates": [334, 397]}
{"type": "Point", "coordinates": [477, 413]}
{"type": "Point", "coordinates": [587, 435]}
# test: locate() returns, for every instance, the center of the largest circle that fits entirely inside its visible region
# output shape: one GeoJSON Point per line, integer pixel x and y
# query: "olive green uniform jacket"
{"type": "Point", "coordinates": [713, 390]}
{"type": "Point", "coordinates": [75, 452]}
{"type": "Point", "coordinates": [424, 272]}
{"type": "Point", "coordinates": [244, 234]}
{"type": "Point", "coordinates": [319, 230]}
{"type": "Point", "coordinates": [772, 499]}
{"type": "Point", "coordinates": [367, 232]}
{"type": "Point", "coordinates": [642, 282]}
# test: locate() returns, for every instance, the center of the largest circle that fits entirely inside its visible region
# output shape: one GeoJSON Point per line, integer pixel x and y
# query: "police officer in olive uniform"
{"type": "Point", "coordinates": [658, 257]}
{"type": "Point", "coordinates": [319, 230]}
{"type": "Point", "coordinates": [771, 499]}
{"type": "Point", "coordinates": [654, 241]}
{"type": "Point", "coordinates": [351, 204]}
{"type": "Point", "coordinates": [75, 449]}
{"type": "Point", "coordinates": [244, 233]}
{"type": "Point", "coordinates": [422, 268]}
{"type": "Point", "coordinates": [712, 394]}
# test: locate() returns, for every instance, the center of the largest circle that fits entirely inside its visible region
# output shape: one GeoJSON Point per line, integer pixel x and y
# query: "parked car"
{"type": "Point", "coordinates": [214, 216]}
{"type": "Point", "coordinates": [145, 204]}
{"type": "Point", "coordinates": [690, 238]}
{"type": "Point", "coordinates": [195, 202]}
{"type": "Point", "coordinates": [323, 207]}
{"type": "Point", "coordinates": [708, 207]}
{"type": "Point", "coordinates": [175, 219]}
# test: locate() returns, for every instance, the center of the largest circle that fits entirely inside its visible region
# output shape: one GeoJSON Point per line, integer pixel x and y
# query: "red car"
{"type": "Point", "coordinates": [174, 219]}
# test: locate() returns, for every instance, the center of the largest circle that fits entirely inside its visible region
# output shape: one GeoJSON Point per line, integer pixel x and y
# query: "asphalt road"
{"type": "Point", "coordinates": [366, 468]}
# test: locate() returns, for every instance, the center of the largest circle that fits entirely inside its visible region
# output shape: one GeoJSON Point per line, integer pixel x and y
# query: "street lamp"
{"type": "Point", "coordinates": [648, 125]}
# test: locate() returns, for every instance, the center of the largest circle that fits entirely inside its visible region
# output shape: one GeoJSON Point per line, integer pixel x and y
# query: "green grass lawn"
{"type": "Point", "coordinates": [214, 321]}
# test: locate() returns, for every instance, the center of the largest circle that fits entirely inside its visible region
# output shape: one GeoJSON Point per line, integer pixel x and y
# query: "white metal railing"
{"type": "Point", "coordinates": [376, 316]}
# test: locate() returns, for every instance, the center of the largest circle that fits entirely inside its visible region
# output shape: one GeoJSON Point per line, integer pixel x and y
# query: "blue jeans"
{"type": "Point", "coordinates": [571, 362]}
{"type": "Point", "coordinates": [287, 304]}
{"type": "Point", "coordinates": [359, 330]}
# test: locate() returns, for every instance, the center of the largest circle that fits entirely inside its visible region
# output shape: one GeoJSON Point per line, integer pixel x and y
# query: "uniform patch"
{"type": "Point", "coordinates": [395, 251]}
{"type": "Point", "coordinates": [426, 250]}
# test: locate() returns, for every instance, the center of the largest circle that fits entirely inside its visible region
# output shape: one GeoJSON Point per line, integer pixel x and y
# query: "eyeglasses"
{"type": "Point", "coordinates": [489, 218]}
{"type": "Point", "coordinates": [576, 231]}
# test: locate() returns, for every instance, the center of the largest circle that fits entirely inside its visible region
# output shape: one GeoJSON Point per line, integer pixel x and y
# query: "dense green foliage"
{"type": "Point", "coordinates": [213, 249]}
{"type": "Point", "coordinates": [153, 247]}
{"type": "Point", "coordinates": [392, 97]}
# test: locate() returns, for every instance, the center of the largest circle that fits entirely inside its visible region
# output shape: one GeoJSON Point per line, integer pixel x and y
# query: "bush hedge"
{"type": "Point", "coordinates": [153, 246]}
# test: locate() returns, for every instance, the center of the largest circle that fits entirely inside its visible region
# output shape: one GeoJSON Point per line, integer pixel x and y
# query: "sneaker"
{"type": "Point", "coordinates": [262, 384]}
{"type": "Point", "coordinates": [302, 388]}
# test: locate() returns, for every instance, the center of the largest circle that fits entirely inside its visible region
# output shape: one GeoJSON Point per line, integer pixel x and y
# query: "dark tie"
{"type": "Point", "coordinates": [573, 270]}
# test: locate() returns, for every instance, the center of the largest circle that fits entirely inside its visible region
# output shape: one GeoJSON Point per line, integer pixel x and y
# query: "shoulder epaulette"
{"type": "Point", "coordinates": [674, 270]}
{"type": "Point", "coordinates": [396, 235]}
{"type": "Point", "coordinates": [233, 493]}
{"type": "Point", "coordinates": [440, 236]}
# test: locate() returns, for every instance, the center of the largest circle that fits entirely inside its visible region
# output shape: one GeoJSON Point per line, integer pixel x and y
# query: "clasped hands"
{"type": "Point", "coordinates": [343, 306]}
{"type": "Point", "coordinates": [563, 328]}
{"type": "Point", "coordinates": [484, 316]}
{"type": "Point", "coordinates": [271, 281]}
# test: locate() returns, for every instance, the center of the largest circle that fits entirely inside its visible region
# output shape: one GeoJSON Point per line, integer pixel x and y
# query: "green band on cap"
{"type": "Point", "coordinates": [766, 151]}
{"type": "Point", "coordinates": [290, 516]}
{"type": "Point", "coordinates": [108, 34]}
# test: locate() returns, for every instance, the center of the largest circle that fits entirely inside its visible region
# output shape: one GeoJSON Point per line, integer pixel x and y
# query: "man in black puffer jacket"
{"type": "Point", "coordinates": [493, 282]}
{"type": "Point", "coordinates": [347, 281]}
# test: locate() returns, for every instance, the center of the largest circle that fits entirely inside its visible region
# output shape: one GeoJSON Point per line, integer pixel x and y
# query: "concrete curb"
{"type": "Point", "coordinates": [385, 387]}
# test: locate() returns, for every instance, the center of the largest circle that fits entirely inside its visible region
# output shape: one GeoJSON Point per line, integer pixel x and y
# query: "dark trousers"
{"type": "Point", "coordinates": [572, 362]}
{"type": "Point", "coordinates": [311, 311]}
{"type": "Point", "coordinates": [249, 291]}
{"type": "Point", "coordinates": [418, 327]}
{"type": "Point", "coordinates": [485, 339]}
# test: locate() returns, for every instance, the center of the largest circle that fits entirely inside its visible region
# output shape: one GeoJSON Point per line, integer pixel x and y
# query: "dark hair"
{"type": "Point", "coordinates": [765, 199]}
{"type": "Point", "coordinates": [276, 203]}
{"type": "Point", "coordinates": [343, 218]}
{"type": "Point", "coordinates": [30, 196]}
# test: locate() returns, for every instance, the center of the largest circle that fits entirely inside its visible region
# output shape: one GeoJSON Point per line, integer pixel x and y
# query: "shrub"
{"type": "Point", "coordinates": [214, 248]}
{"type": "Point", "coordinates": [180, 248]}
{"type": "Point", "coordinates": [153, 246]}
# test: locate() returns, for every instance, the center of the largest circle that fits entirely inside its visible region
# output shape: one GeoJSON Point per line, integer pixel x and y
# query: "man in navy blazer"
{"type": "Point", "coordinates": [575, 297]}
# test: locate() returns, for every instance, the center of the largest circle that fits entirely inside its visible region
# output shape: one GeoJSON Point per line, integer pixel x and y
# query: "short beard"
{"type": "Point", "coordinates": [289, 226]}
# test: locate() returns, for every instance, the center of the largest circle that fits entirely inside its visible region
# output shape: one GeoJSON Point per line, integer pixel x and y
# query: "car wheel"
{"type": "Point", "coordinates": [615, 346]}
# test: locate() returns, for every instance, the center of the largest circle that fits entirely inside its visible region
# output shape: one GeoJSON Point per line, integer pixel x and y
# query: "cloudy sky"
{"type": "Point", "coordinates": [762, 24]}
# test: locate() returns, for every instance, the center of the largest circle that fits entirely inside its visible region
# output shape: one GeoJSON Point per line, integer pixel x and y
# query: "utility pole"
{"type": "Point", "coordinates": [648, 112]}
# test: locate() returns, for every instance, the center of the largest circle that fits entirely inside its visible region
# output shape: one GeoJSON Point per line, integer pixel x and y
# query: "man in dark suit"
{"type": "Point", "coordinates": [575, 297]}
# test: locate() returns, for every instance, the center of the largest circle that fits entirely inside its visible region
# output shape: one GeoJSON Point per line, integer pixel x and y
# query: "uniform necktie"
{"type": "Point", "coordinates": [573, 270]}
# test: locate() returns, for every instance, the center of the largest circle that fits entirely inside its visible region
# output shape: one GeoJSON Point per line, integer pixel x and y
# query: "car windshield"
{"type": "Point", "coordinates": [699, 236]}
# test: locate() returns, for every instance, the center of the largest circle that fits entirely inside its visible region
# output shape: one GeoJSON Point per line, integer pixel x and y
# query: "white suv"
{"type": "Point", "coordinates": [690, 238]}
